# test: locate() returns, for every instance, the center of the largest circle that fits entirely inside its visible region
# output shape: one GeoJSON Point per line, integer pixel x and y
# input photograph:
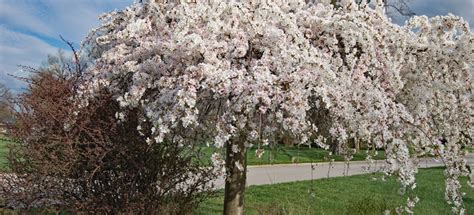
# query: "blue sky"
{"type": "Point", "coordinates": [30, 29]}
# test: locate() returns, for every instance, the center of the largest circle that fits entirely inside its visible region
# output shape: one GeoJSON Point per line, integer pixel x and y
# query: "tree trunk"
{"type": "Point", "coordinates": [236, 178]}
{"type": "Point", "coordinates": [335, 147]}
{"type": "Point", "coordinates": [356, 145]}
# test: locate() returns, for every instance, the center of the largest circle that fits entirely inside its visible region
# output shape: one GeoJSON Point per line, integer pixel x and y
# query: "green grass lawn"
{"type": "Point", "coordinates": [345, 195]}
{"type": "Point", "coordinates": [470, 149]}
{"type": "Point", "coordinates": [3, 153]}
{"type": "Point", "coordinates": [286, 155]}
{"type": "Point", "coordinates": [274, 155]}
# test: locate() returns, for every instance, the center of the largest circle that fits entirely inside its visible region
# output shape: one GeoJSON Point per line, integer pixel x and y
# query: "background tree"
{"type": "Point", "coordinates": [86, 160]}
{"type": "Point", "coordinates": [5, 99]}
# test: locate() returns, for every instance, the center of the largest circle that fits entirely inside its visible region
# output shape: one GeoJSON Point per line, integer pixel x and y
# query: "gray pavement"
{"type": "Point", "coordinates": [280, 173]}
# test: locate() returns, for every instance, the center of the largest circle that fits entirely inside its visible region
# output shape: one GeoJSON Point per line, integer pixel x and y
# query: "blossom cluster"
{"type": "Point", "coordinates": [223, 70]}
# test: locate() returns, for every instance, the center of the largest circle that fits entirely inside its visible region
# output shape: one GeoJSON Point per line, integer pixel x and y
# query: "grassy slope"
{"type": "Point", "coordinates": [345, 195]}
{"type": "Point", "coordinates": [285, 155]}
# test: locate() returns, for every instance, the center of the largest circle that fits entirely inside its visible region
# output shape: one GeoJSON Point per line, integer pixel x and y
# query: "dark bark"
{"type": "Point", "coordinates": [357, 145]}
{"type": "Point", "coordinates": [236, 178]}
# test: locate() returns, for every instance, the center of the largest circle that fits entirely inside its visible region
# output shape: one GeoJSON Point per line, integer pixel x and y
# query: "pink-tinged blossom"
{"type": "Point", "coordinates": [223, 70]}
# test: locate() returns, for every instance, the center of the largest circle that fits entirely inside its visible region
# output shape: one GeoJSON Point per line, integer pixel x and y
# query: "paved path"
{"type": "Point", "coordinates": [280, 173]}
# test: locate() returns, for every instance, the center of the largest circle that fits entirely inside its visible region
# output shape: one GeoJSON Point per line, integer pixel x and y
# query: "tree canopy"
{"type": "Point", "coordinates": [237, 74]}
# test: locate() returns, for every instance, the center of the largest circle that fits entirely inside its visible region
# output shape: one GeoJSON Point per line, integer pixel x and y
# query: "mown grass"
{"type": "Point", "coordinates": [273, 155]}
{"type": "Point", "coordinates": [345, 195]}
{"type": "Point", "coordinates": [287, 154]}
{"type": "Point", "coordinates": [470, 149]}
{"type": "Point", "coordinates": [3, 153]}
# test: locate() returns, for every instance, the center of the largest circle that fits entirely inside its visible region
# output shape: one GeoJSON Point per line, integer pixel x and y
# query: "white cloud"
{"type": "Point", "coordinates": [23, 15]}
{"type": "Point", "coordinates": [22, 20]}
{"type": "Point", "coordinates": [20, 49]}
{"type": "Point", "coordinates": [71, 18]}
